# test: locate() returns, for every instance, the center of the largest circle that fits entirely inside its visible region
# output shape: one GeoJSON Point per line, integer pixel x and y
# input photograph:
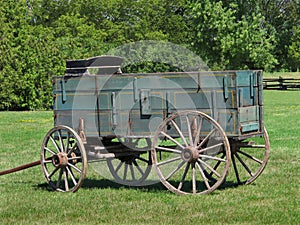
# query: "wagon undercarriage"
{"type": "Point", "coordinates": [195, 161]}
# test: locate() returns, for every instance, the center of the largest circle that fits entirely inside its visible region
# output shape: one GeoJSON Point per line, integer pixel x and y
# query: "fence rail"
{"type": "Point", "coordinates": [281, 83]}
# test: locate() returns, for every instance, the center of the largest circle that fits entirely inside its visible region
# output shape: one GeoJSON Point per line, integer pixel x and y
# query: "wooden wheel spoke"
{"type": "Point", "coordinates": [206, 138]}
{"type": "Point", "coordinates": [138, 167]}
{"type": "Point", "coordinates": [250, 145]}
{"type": "Point", "coordinates": [74, 167]}
{"type": "Point", "coordinates": [119, 166]}
{"type": "Point", "coordinates": [55, 144]}
{"type": "Point", "coordinates": [53, 172]}
{"type": "Point", "coordinates": [62, 146]}
{"type": "Point", "coordinates": [72, 149]}
{"type": "Point", "coordinates": [211, 147]}
{"type": "Point", "coordinates": [67, 142]}
{"type": "Point", "coordinates": [125, 171]}
{"type": "Point", "coordinates": [213, 158]}
{"type": "Point", "coordinates": [198, 132]}
{"type": "Point", "coordinates": [203, 176]}
{"type": "Point", "coordinates": [168, 149]}
{"type": "Point", "coordinates": [236, 170]}
{"type": "Point", "coordinates": [49, 150]}
{"type": "Point", "coordinates": [141, 159]}
{"type": "Point", "coordinates": [183, 176]}
{"type": "Point", "coordinates": [74, 158]}
{"type": "Point", "coordinates": [168, 161]}
{"type": "Point", "coordinates": [189, 129]}
{"type": "Point", "coordinates": [179, 132]}
{"type": "Point", "coordinates": [250, 157]}
{"type": "Point", "coordinates": [66, 179]}
{"type": "Point", "coordinates": [47, 161]}
{"type": "Point", "coordinates": [71, 175]}
{"type": "Point", "coordinates": [257, 146]}
{"type": "Point", "coordinates": [218, 163]}
{"type": "Point", "coordinates": [194, 185]}
{"type": "Point", "coordinates": [244, 164]}
{"type": "Point", "coordinates": [172, 139]}
{"type": "Point", "coordinates": [59, 177]}
{"type": "Point", "coordinates": [132, 172]}
{"type": "Point", "coordinates": [213, 170]}
{"type": "Point", "coordinates": [180, 165]}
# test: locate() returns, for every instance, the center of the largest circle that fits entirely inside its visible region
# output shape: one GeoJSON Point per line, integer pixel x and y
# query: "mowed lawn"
{"type": "Point", "coordinates": [274, 198]}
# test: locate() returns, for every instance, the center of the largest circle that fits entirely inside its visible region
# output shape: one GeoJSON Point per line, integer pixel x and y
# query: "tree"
{"type": "Point", "coordinates": [294, 49]}
{"type": "Point", "coordinates": [78, 38]}
{"type": "Point", "coordinates": [283, 16]}
{"type": "Point", "coordinates": [226, 42]}
{"type": "Point", "coordinates": [29, 59]}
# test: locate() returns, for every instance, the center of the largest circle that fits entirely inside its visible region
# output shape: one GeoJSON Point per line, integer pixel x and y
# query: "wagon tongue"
{"type": "Point", "coordinates": [23, 167]}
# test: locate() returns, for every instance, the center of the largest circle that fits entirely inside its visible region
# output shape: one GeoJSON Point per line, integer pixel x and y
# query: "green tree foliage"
{"type": "Point", "coordinates": [78, 38]}
{"type": "Point", "coordinates": [229, 42]}
{"type": "Point", "coordinates": [28, 60]}
{"type": "Point", "coordinates": [280, 19]}
{"type": "Point", "coordinates": [282, 16]}
{"type": "Point", "coordinates": [25, 80]}
{"type": "Point", "coordinates": [294, 49]}
{"type": "Point", "coordinates": [37, 36]}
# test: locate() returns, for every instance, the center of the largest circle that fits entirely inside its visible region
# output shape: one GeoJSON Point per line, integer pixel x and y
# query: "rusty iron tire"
{"type": "Point", "coordinates": [63, 159]}
{"type": "Point", "coordinates": [187, 147]}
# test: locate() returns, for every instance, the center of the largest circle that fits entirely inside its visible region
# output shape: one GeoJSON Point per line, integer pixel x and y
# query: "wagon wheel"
{"type": "Point", "coordinates": [191, 153]}
{"type": "Point", "coordinates": [131, 169]}
{"type": "Point", "coordinates": [250, 157]}
{"type": "Point", "coordinates": [63, 159]}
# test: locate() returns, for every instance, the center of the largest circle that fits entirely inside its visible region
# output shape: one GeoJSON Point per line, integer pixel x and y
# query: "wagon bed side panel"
{"type": "Point", "coordinates": [133, 104]}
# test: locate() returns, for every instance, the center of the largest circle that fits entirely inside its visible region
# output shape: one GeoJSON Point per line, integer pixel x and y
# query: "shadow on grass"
{"type": "Point", "coordinates": [108, 184]}
{"type": "Point", "coordinates": [153, 188]}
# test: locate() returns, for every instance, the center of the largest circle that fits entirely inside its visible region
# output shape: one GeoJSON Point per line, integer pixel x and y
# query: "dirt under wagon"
{"type": "Point", "coordinates": [186, 126]}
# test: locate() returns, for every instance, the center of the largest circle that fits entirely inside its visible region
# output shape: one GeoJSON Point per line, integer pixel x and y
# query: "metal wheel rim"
{"type": "Point", "coordinates": [213, 155]}
{"type": "Point", "coordinates": [63, 159]}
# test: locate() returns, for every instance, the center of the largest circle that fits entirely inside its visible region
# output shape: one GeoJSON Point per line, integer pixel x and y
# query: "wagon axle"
{"type": "Point", "coordinates": [61, 159]}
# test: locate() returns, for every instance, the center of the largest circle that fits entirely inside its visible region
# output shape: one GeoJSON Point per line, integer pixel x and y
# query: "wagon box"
{"type": "Point", "coordinates": [129, 102]}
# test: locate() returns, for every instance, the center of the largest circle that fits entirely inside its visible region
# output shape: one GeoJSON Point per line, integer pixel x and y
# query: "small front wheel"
{"type": "Point", "coordinates": [63, 159]}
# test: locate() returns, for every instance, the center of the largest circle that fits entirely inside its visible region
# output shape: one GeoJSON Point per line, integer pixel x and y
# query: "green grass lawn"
{"type": "Point", "coordinates": [272, 199]}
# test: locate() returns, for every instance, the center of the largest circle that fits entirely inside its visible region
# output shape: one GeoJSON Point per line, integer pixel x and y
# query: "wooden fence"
{"type": "Point", "coordinates": [281, 83]}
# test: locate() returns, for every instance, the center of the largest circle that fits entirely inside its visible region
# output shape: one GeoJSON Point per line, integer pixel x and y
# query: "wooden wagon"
{"type": "Point", "coordinates": [188, 126]}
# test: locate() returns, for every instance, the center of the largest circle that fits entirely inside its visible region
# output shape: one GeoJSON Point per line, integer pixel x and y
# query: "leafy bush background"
{"type": "Point", "coordinates": [36, 37]}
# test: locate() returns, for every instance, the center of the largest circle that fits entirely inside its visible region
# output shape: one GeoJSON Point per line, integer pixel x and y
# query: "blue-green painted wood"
{"type": "Point", "coordinates": [128, 104]}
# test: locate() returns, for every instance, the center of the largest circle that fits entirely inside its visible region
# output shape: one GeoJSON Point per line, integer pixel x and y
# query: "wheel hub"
{"type": "Point", "coordinates": [60, 159]}
{"type": "Point", "coordinates": [190, 154]}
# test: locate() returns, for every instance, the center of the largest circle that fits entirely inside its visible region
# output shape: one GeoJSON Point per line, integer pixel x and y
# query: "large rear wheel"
{"type": "Point", "coordinates": [191, 153]}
